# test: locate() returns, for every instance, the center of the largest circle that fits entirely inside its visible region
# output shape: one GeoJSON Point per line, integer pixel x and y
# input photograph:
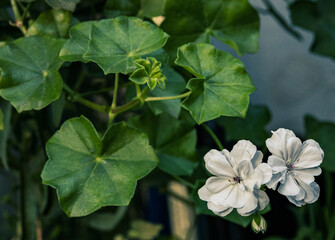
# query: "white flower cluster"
{"type": "Point", "coordinates": [239, 174]}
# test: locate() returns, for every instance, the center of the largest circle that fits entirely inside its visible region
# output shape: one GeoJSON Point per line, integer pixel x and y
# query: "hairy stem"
{"type": "Point", "coordinates": [18, 19]}
{"type": "Point", "coordinates": [150, 99]}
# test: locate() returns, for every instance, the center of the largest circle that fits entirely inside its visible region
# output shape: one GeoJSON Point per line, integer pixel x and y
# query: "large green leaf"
{"type": "Point", "coordinates": [113, 43]}
{"type": "Point", "coordinates": [323, 133]}
{"type": "Point", "coordinates": [63, 4]}
{"type": "Point", "coordinates": [235, 23]}
{"type": "Point", "coordinates": [30, 77]}
{"type": "Point", "coordinates": [90, 172]}
{"type": "Point", "coordinates": [175, 84]}
{"type": "Point", "coordinates": [54, 23]}
{"type": "Point", "coordinates": [221, 85]}
{"type": "Point", "coordinates": [251, 128]}
{"type": "Point", "coordinates": [174, 142]}
{"type": "Point", "coordinates": [318, 17]}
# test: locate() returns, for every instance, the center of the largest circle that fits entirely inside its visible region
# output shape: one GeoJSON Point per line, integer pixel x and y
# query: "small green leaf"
{"type": "Point", "coordinates": [30, 77]}
{"type": "Point", "coordinates": [89, 172]}
{"type": "Point", "coordinates": [63, 4]}
{"type": "Point", "coordinates": [201, 207]}
{"type": "Point", "coordinates": [115, 8]}
{"type": "Point", "coordinates": [251, 128]}
{"type": "Point", "coordinates": [54, 23]}
{"type": "Point", "coordinates": [1, 120]}
{"type": "Point", "coordinates": [143, 230]}
{"type": "Point", "coordinates": [175, 85]}
{"type": "Point", "coordinates": [323, 133]}
{"type": "Point", "coordinates": [114, 43]}
{"type": "Point", "coordinates": [235, 23]}
{"type": "Point", "coordinates": [152, 8]}
{"type": "Point", "coordinates": [221, 85]}
{"type": "Point", "coordinates": [174, 142]}
{"type": "Point", "coordinates": [317, 16]}
{"type": "Point", "coordinates": [148, 71]}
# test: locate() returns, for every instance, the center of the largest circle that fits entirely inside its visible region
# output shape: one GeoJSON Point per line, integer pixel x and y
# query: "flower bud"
{"type": "Point", "coordinates": [258, 224]}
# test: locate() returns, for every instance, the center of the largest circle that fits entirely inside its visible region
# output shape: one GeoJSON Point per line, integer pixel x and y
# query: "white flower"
{"type": "Point", "coordinates": [294, 165]}
{"type": "Point", "coordinates": [239, 176]}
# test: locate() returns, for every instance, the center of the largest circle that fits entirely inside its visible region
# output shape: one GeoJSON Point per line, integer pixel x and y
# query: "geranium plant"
{"type": "Point", "coordinates": [99, 98]}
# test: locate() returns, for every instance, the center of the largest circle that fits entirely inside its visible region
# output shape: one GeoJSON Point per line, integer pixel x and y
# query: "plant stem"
{"type": "Point", "coordinates": [77, 98]}
{"type": "Point", "coordinates": [150, 99]}
{"type": "Point", "coordinates": [138, 90]}
{"type": "Point", "coordinates": [105, 89]}
{"type": "Point", "coordinates": [79, 81]}
{"type": "Point", "coordinates": [183, 181]}
{"type": "Point", "coordinates": [116, 89]}
{"type": "Point", "coordinates": [18, 18]}
{"type": "Point", "coordinates": [214, 137]}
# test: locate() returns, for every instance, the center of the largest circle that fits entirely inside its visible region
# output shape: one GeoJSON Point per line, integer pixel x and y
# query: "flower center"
{"type": "Point", "coordinates": [290, 167]}
{"type": "Point", "coordinates": [237, 179]}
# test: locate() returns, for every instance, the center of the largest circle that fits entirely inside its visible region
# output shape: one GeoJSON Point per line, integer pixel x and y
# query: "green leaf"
{"type": "Point", "coordinates": [74, 48]}
{"type": "Point", "coordinates": [115, 8]}
{"type": "Point", "coordinates": [221, 85]}
{"type": "Point", "coordinates": [201, 207]}
{"type": "Point", "coordinates": [175, 85]}
{"type": "Point", "coordinates": [317, 16]}
{"type": "Point", "coordinates": [63, 4]}
{"type": "Point", "coordinates": [54, 23]}
{"type": "Point", "coordinates": [6, 110]}
{"type": "Point", "coordinates": [174, 142]}
{"type": "Point", "coordinates": [114, 43]}
{"type": "Point", "coordinates": [323, 133]}
{"type": "Point", "coordinates": [90, 172]}
{"type": "Point", "coordinates": [251, 128]}
{"type": "Point", "coordinates": [235, 23]}
{"type": "Point", "coordinates": [30, 77]}
{"type": "Point", "coordinates": [143, 230]}
{"type": "Point", "coordinates": [2, 127]}
{"type": "Point", "coordinates": [152, 8]}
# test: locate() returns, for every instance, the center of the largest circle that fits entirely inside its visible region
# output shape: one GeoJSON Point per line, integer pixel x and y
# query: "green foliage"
{"type": "Point", "coordinates": [90, 172]}
{"type": "Point", "coordinates": [221, 85]}
{"type": "Point", "coordinates": [175, 85]}
{"type": "Point", "coordinates": [148, 71]}
{"type": "Point", "coordinates": [1, 120]}
{"type": "Point", "coordinates": [143, 230]}
{"type": "Point", "coordinates": [323, 133]}
{"type": "Point", "coordinates": [235, 23]}
{"type": "Point", "coordinates": [174, 142]}
{"type": "Point", "coordinates": [113, 43]}
{"type": "Point", "coordinates": [63, 4]}
{"type": "Point", "coordinates": [53, 23]}
{"type": "Point", "coordinates": [318, 17]}
{"type": "Point", "coordinates": [251, 128]}
{"type": "Point", "coordinates": [6, 112]}
{"type": "Point", "coordinates": [30, 77]}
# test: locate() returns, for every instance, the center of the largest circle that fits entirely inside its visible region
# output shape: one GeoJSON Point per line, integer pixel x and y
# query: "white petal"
{"type": "Point", "coordinates": [219, 209]}
{"type": "Point", "coordinates": [250, 205]}
{"type": "Point", "coordinates": [220, 198]}
{"type": "Point", "coordinates": [244, 169]}
{"type": "Point", "coordinates": [217, 164]}
{"type": "Point", "coordinates": [310, 156]}
{"type": "Point", "coordinates": [277, 164]}
{"type": "Point", "coordinates": [304, 177]}
{"type": "Point", "coordinates": [289, 187]}
{"type": "Point", "coordinates": [204, 194]}
{"type": "Point", "coordinates": [265, 173]}
{"type": "Point", "coordinates": [293, 148]}
{"type": "Point", "coordinates": [277, 143]}
{"type": "Point", "coordinates": [275, 180]}
{"type": "Point", "coordinates": [263, 199]}
{"type": "Point", "coordinates": [316, 171]}
{"type": "Point", "coordinates": [236, 198]}
{"type": "Point", "coordinates": [217, 184]}
{"type": "Point", "coordinates": [242, 150]}
{"type": "Point", "coordinates": [257, 159]}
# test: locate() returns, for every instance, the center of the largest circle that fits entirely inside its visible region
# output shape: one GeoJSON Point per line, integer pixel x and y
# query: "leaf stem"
{"type": "Point", "coordinates": [77, 98]}
{"type": "Point", "coordinates": [138, 90]}
{"type": "Point", "coordinates": [116, 89]}
{"type": "Point", "coordinates": [214, 137]}
{"type": "Point", "coordinates": [18, 19]}
{"type": "Point", "coordinates": [150, 99]}
{"type": "Point", "coordinates": [183, 181]}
